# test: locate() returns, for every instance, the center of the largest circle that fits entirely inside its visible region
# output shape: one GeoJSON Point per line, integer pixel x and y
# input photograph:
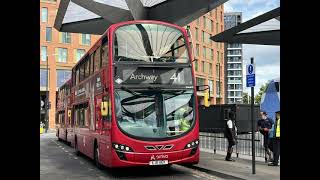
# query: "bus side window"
{"type": "Point", "coordinates": [86, 115]}
{"type": "Point", "coordinates": [104, 52]}
{"type": "Point", "coordinates": [92, 63]}
{"type": "Point", "coordinates": [72, 117]}
{"type": "Point", "coordinates": [81, 72]}
{"type": "Point", "coordinates": [97, 59]}
{"type": "Point", "coordinates": [78, 116]}
{"type": "Point", "coordinates": [85, 70]}
{"type": "Point", "coordinates": [77, 75]}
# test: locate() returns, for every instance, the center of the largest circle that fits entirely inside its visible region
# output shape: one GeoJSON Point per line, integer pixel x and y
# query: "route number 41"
{"type": "Point", "coordinates": [176, 77]}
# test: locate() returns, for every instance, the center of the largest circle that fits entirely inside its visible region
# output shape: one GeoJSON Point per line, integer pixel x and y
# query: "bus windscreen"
{"type": "Point", "coordinates": [150, 43]}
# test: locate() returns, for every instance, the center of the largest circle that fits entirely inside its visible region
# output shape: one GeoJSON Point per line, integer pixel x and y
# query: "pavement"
{"type": "Point", "coordinates": [58, 161]}
{"type": "Point", "coordinates": [215, 164]}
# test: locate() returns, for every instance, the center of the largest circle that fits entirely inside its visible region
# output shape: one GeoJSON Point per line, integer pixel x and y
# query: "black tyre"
{"type": "Point", "coordinates": [96, 157]}
{"type": "Point", "coordinates": [76, 150]}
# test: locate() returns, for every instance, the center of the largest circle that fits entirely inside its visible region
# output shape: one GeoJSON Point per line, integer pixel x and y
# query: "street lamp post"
{"type": "Point", "coordinates": [47, 97]}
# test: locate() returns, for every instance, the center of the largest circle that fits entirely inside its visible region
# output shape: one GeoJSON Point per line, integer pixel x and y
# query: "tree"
{"type": "Point", "coordinates": [262, 90]}
{"type": "Point", "coordinates": [245, 98]}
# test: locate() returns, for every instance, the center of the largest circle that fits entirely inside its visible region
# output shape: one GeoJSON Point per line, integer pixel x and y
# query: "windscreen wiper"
{"type": "Point", "coordinates": [132, 91]}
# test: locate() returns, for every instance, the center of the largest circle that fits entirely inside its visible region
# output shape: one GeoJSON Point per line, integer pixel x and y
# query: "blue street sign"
{"type": "Point", "coordinates": [251, 78]}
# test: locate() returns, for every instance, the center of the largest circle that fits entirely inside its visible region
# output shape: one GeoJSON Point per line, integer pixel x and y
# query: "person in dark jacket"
{"type": "Point", "coordinates": [264, 126]}
{"type": "Point", "coordinates": [276, 141]}
{"type": "Point", "coordinates": [231, 134]}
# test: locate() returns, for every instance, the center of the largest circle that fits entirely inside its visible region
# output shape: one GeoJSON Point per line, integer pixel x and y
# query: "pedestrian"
{"type": "Point", "coordinates": [264, 126]}
{"type": "Point", "coordinates": [230, 134]}
{"type": "Point", "coordinates": [276, 141]}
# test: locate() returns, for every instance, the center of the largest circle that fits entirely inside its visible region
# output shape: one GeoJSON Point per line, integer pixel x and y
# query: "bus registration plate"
{"type": "Point", "coordinates": [159, 162]}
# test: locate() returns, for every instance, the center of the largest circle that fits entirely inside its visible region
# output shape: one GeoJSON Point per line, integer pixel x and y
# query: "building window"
{"type": "Point", "coordinates": [200, 81]}
{"type": "Point", "coordinates": [221, 17]}
{"type": "Point", "coordinates": [43, 53]}
{"type": "Point", "coordinates": [79, 54]}
{"type": "Point", "coordinates": [202, 36]}
{"type": "Point", "coordinates": [198, 22]}
{"type": "Point", "coordinates": [204, 22]}
{"type": "Point", "coordinates": [206, 38]}
{"type": "Point", "coordinates": [211, 54]}
{"type": "Point", "coordinates": [62, 55]}
{"type": "Point", "coordinates": [43, 77]}
{"type": "Point", "coordinates": [62, 76]}
{"type": "Point", "coordinates": [86, 39]}
{"type": "Point", "coordinates": [48, 34]}
{"type": "Point", "coordinates": [218, 84]}
{"type": "Point", "coordinates": [204, 53]}
{"type": "Point", "coordinates": [44, 14]}
{"type": "Point", "coordinates": [217, 71]}
{"type": "Point", "coordinates": [217, 28]}
{"type": "Point", "coordinates": [211, 86]}
{"type": "Point", "coordinates": [65, 37]}
{"type": "Point", "coordinates": [218, 57]}
{"type": "Point", "coordinates": [202, 66]}
{"type": "Point", "coordinates": [197, 34]}
{"type": "Point", "coordinates": [196, 65]}
{"type": "Point", "coordinates": [211, 26]}
{"type": "Point", "coordinates": [198, 49]}
{"type": "Point", "coordinates": [210, 69]}
{"type": "Point", "coordinates": [216, 13]}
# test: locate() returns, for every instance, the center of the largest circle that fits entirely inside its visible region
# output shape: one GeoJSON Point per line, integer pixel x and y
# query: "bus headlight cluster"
{"type": "Point", "coordinates": [122, 147]}
{"type": "Point", "coordinates": [192, 144]}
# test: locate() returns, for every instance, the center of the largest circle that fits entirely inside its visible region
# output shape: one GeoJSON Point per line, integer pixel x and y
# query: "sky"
{"type": "Point", "coordinates": [266, 58]}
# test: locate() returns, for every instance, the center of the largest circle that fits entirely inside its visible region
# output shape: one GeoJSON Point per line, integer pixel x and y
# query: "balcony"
{"type": "Point", "coordinates": [234, 69]}
{"type": "Point", "coordinates": [234, 62]}
{"type": "Point", "coordinates": [234, 55]}
{"type": "Point", "coordinates": [234, 82]}
{"type": "Point", "coordinates": [234, 48]}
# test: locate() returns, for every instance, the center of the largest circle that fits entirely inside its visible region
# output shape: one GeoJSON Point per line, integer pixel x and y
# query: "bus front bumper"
{"type": "Point", "coordinates": [127, 159]}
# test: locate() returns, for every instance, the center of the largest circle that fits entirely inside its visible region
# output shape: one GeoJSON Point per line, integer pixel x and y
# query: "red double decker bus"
{"type": "Point", "coordinates": [134, 97]}
{"type": "Point", "coordinates": [64, 128]}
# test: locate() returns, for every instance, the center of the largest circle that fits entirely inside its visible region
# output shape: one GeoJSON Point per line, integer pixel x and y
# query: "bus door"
{"type": "Point", "coordinates": [105, 138]}
{"type": "Point", "coordinates": [70, 124]}
{"type": "Point", "coordinates": [97, 116]}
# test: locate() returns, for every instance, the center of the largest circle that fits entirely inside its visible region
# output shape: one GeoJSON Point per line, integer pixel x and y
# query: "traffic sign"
{"type": "Point", "coordinates": [251, 78]}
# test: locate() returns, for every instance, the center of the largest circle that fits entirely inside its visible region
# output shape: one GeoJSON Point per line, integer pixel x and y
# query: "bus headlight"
{"type": "Point", "coordinates": [192, 144]}
{"type": "Point", "coordinates": [122, 147]}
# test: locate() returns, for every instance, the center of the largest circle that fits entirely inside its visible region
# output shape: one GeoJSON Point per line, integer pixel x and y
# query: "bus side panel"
{"type": "Point", "coordinates": [105, 138]}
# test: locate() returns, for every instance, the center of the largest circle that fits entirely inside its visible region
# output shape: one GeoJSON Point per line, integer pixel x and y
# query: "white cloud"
{"type": "Point", "coordinates": [267, 58]}
{"type": "Point", "coordinates": [267, 62]}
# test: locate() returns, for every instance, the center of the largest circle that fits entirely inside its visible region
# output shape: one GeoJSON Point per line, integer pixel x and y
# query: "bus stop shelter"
{"type": "Point", "coordinates": [95, 16]}
{"type": "Point", "coordinates": [261, 30]}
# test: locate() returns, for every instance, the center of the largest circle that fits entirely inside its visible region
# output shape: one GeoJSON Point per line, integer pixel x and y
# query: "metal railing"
{"type": "Point", "coordinates": [217, 142]}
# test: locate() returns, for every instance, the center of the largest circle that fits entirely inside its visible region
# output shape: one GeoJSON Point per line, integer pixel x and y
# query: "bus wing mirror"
{"type": "Point", "coordinates": [104, 108]}
{"type": "Point", "coordinates": [69, 113]}
{"type": "Point", "coordinates": [206, 99]}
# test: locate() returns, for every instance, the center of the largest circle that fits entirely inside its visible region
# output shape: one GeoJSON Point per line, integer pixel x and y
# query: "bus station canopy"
{"type": "Point", "coordinates": [262, 30]}
{"type": "Point", "coordinates": [95, 16]}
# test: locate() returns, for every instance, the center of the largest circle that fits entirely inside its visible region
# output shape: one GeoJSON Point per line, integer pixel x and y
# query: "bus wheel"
{"type": "Point", "coordinates": [76, 147]}
{"type": "Point", "coordinates": [59, 139]}
{"type": "Point", "coordinates": [96, 157]}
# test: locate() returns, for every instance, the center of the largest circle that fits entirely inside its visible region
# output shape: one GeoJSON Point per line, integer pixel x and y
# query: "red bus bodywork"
{"type": "Point", "coordinates": [96, 133]}
{"type": "Point", "coordinates": [64, 128]}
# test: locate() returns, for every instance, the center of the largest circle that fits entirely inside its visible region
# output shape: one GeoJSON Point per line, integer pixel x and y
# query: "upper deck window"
{"type": "Point", "coordinates": [150, 43]}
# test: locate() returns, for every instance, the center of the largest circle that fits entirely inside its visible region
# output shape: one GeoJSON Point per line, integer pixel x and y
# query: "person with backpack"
{"type": "Point", "coordinates": [276, 141]}
{"type": "Point", "coordinates": [230, 134]}
{"type": "Point", "coordinates": [264, 126]}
